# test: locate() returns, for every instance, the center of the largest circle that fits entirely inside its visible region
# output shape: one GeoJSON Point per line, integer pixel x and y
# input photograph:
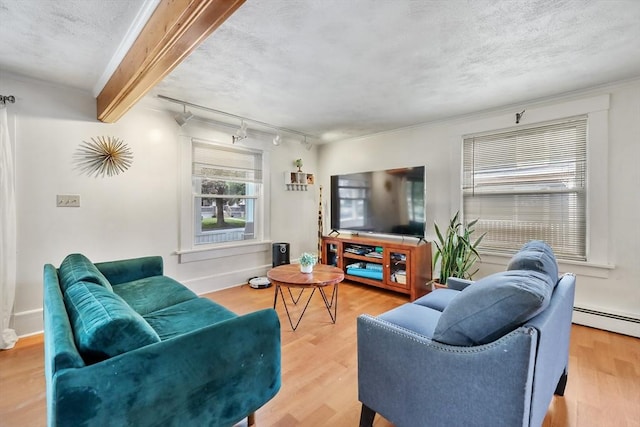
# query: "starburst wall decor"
{"type": "Point", "coordinates": [104, 155]}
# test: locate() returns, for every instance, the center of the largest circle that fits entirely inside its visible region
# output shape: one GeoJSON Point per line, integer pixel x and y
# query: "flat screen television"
{"type": "Point", "coordinates": [390, 201]}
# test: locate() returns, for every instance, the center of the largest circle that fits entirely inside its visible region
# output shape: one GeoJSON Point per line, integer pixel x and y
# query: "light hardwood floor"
{"type": "Point", "coordinates": [319, 372]}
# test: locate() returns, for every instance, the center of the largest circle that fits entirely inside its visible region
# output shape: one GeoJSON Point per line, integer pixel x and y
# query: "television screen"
{"type": "Point", "coordinates": [388, 201]}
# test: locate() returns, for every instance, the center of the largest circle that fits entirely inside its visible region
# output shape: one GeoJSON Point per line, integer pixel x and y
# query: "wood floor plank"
{"type": "Point", "coordinates": [319, 369]}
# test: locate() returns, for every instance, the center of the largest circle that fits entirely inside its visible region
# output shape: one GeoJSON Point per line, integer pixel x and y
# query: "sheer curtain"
{"type": "Point", "coordinates": [8, 336]}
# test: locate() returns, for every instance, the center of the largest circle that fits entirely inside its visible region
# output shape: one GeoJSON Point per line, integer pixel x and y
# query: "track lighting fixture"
{"type": "Point", "coordinates": [183, 117]}
{"type": "Point", "coordinates": [519, 116]}
{"type": "Point", "coordinates": [307, 145]}
{"type": "Point", "coordinates": [241, 133]}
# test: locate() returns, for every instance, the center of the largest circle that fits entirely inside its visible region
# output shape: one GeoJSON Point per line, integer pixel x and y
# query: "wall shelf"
{"type": "Point", "coordinates": [298, 181]}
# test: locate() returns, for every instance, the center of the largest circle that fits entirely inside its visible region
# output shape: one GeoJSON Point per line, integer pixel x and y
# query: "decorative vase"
{"type": "Point", "coordinates": [306, 268]}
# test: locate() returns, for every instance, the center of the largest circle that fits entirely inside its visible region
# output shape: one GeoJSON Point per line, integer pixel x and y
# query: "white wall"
{"type": "Point", "coordinates": [132, 214]}
{"type": "Point", "coordinates": [137, 213]}
{"type": "Point", "coordinates": [610, 281]}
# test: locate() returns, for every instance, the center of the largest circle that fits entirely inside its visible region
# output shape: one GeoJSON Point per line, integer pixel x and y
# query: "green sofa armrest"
{"type": "Point", "coordinates": [127, 270]}
{"type": "Point", "coordinates": [60, 348]}
{"type": "Point", "coordinates": [216, 375]}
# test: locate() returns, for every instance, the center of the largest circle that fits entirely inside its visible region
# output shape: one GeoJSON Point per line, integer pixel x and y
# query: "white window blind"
{"type": "Point", "coordinates": [222, 163]}
{"type": "Point", "coordinates": [529, 184]}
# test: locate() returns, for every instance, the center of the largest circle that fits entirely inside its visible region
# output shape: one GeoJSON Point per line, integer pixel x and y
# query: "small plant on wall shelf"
{"type": "Point", "coordinates": [455, 250]}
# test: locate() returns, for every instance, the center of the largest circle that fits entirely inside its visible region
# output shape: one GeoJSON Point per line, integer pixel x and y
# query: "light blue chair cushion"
{"type": "Point", "coordinates": [76, 268]}
{"type": "Point", "coordinates": [492, 307]}
{"type": "Point", "coordinates": [536, 255]}
{"type": "Point", "coordinates": [416, 318]}
{"type": "Point", "coordinates": [103, 323]}
{"type": "Point", "coordinates": [438, 299]}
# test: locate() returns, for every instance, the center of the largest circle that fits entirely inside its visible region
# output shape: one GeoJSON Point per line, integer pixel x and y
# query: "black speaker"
{"type": "Point", "coordinates": [280, 254]}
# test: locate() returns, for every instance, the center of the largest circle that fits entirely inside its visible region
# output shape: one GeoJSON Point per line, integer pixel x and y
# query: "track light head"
{"type": "Point", "coordinates": [277, 139]}
{"type": "Point", "coordinates": [183, 117]}
{"type": "Point", "coordinates": [307, 144]}
{"type": "Point", "coordinates": [242, 132]}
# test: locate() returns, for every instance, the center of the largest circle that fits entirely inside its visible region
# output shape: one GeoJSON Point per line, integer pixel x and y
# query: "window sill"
{"type": "Point", "coordinates": [222, 251]}
{"type": "Point", "coordinates": [582, 268]}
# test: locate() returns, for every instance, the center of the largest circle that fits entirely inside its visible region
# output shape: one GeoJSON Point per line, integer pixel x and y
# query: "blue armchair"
{"type": "Point", "coordinates": [485, 353]}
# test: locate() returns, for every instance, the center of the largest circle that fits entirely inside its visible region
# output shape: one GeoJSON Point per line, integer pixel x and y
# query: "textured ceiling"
{"type": "Point", "coordinates": [338, 69]}
{"type": "Point", "coordinates": [67, 41]}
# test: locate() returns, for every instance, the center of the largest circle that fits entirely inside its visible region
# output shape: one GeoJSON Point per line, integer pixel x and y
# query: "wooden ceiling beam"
{"type": "Point", "coordinates": [172, 32]}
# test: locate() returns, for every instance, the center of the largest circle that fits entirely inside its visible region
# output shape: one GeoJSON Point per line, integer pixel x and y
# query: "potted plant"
{"type": "Point", "coordinates": [455, 250]}
{"type": "Point", "coordinates": [307, 261]}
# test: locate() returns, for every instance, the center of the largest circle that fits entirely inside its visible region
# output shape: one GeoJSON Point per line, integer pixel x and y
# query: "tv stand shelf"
{"type": "Point", "coordinates": [399, 266]}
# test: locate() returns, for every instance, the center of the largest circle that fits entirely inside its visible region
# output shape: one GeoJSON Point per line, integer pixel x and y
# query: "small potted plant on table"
{"type": "Point", "coordinates": [307, 261]}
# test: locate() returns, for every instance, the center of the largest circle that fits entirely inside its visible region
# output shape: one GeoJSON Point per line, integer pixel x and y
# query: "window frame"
{"type": "Point", "coordinates": [188, 250]}
{"type": "Point", "coordinates": [488, 182]}
{"type": "Point", "coordinates": [596, 108]}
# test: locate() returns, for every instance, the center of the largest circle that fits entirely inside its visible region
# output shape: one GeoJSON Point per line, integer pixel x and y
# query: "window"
{"type": "Point", "coordinates": [529, 184]}
{"type": "Point", "coordinates": [415, 200]}
{"type": "Point", "coordinates": [226, 193]}
{"type": "Point", "coordinates": [353, 194]}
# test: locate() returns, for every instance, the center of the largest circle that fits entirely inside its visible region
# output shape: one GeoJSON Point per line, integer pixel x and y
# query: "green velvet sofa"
{"type": "Point", "coordinates": [127, 346]}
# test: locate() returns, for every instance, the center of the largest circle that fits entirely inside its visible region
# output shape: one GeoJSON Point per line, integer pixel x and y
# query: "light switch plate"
{"type": "Point", "coordinates": [68, 200]}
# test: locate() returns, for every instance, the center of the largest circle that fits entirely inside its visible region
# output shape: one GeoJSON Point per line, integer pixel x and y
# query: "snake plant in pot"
{"type": "Point", "coordinates": [455, 249]}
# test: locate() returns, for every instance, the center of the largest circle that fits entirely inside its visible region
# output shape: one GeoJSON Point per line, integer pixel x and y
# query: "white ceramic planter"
{"type": "Point", "coordinates": [306, 268]}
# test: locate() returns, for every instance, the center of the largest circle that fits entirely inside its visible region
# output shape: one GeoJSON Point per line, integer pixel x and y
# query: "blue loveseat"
{"type": "Point", "coordinates": [127, 346]}
{"type": "Point", "coordinates": [486, 353]}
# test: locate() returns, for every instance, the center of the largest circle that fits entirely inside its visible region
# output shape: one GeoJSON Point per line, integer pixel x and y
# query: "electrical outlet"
{"type": "Point", "coordinates": [68, 200]}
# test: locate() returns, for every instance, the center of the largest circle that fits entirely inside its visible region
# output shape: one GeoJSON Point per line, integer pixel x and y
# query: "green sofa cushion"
{"type": "Point", "coordinates": [492, 307]}
{"type": "Point", "coordinates": [127, 270]}
{"type": "Point", "coordinates": [153, 293]}
{"type": "Point", "coordinates": [103, 323]}
{"type": "Point", "coordinates": [186, 317]}
{"type": "Point", "coordinates": [76, 268]}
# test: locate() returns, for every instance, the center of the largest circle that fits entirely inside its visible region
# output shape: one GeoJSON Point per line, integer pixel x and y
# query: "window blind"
{"type": "Point", "coordinates": [226, 164]}
{"type": "Point", "coordinates": [527, 184]}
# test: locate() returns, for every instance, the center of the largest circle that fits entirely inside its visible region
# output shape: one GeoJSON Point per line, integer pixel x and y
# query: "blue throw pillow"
{"type": "Point", "coordinates": [76, 268]}
{"type": "Point", "coordinates": [103, 323]}
{"type": "Point", "coordinates": [492, 307]}
{"type": "Point", "coordinates": [537, 256]}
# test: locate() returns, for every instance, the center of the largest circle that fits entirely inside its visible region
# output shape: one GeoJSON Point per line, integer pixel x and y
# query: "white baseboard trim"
{"type": "Point", "coordinates": [600, 319]}
{"type": "Point", "coordinates": [217, 282]}
{"type": "Point", "coordinates": [28, 322]}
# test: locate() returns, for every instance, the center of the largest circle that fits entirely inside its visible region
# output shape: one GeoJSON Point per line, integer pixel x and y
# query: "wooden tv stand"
{"type": "Point", "coordinates": [383, 262]}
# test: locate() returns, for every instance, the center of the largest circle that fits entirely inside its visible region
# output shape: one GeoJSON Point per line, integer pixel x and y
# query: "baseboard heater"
{"type": "Point", "coordinates": [608, 315]}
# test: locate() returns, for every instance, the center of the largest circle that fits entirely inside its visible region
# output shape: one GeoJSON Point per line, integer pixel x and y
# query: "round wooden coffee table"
{"type": "Point", "coordinates": [289, 276]}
